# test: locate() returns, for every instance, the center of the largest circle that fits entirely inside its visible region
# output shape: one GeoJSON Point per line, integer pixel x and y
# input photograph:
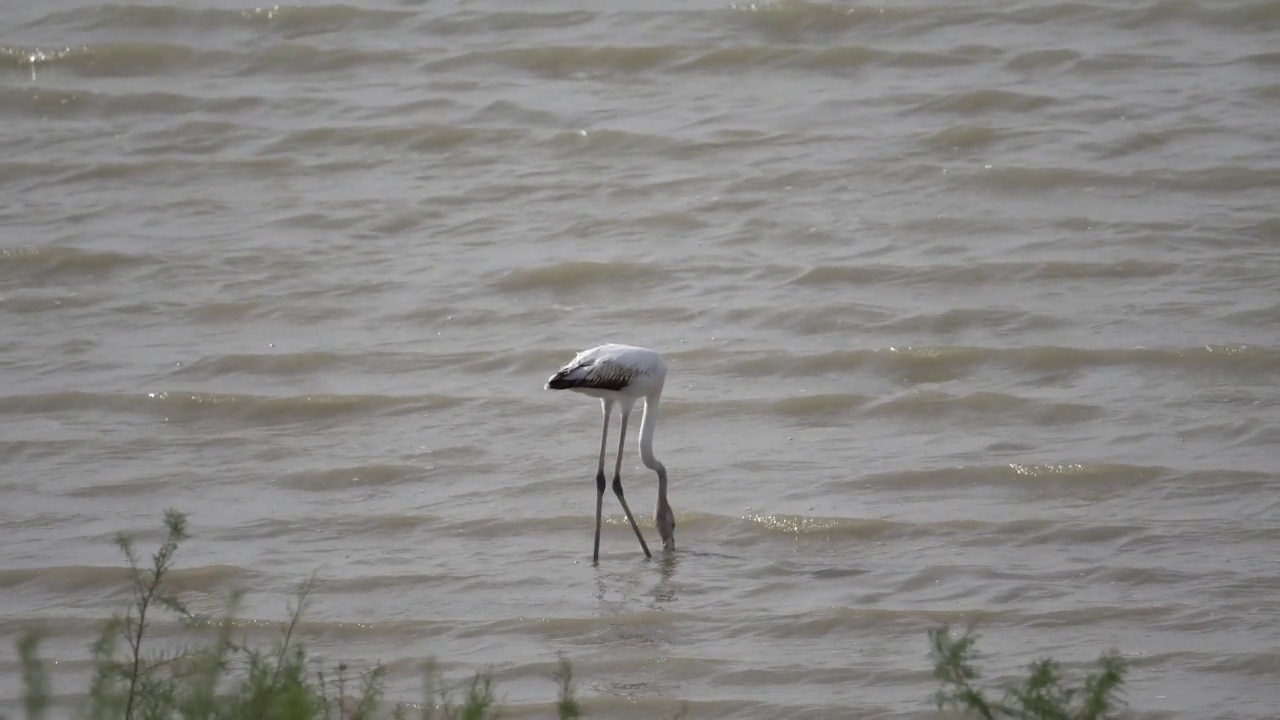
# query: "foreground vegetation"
{"type": "Point", "coordinates": [1043, 695]}
{"type": "Point", "coordinates": [230, 679]}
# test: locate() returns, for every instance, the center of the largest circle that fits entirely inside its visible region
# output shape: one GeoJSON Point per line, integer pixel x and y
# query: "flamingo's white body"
{"type": "Point", "coordinates": [623, 374]}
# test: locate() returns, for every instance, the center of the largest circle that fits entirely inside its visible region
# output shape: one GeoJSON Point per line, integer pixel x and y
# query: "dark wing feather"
{"type": "Point", "coordinates": [592, 374]}
{"type": "Point", "coordinates": [607, 376]}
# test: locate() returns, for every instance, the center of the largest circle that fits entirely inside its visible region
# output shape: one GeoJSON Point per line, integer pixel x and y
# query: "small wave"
{"type": "Point", "coordinates": [1077, 534]}
{"type": "Point", "coordinates": [421, 138]}
{"type": "Point", "coordinates": [1264, 666]}
{"type": "Point", "coordinates": [285, 410]}
{"type": "Point", "coordinates": [1267, 229]}
{"type": "Point", "coordinates": [579, 275]}
{"type": "Point", "coordinates": [1147, 140]}
{"type": "Point", "coordinates": [951, 362]}
{"type": "Point", "coordinates": [1042, 59]}
{"type": "Point", "coordinates": [733, 408]}
{"type": "Point", "coordinates": [113, 59]}
{"type": "Point", "coordinates": [28, 58]}
{"type": "Point", "coordinates": [342, 525]}
{"type": "Point", "coordinates": [828, 528]}
{"type": "Point", "coordinates": [560, 627]}
{"type": "Point", "coordinates": [927, 60]}
{"type": "Point", "coordinates": [205, 578]}
{"type": "Point", "coordinates": [791, 20]}
{"type": "Point", "coordinates": [1050, 12]}
{"type": "Point", "coordinates": [771, 183]}
{"type": "Point", "coordinates": [567, 61]}
{"type": "Point", "coordinates": [819, 405]}
{"type": "Point", "coordinates": [285, 364]}
{"type": "Point", "coordinates": [289, 20]}
{"type": "Point", "coordinates": [224, 312]}
{"type": "Point", "coordinates": [474, 23]}
{"type": "Point", "coordinates": [982, 273]}
{"type": "Point", "coordinates": [143, 59]}
{"type": "Point", "coordinates": [392, 631]}
{"type": "Point", "coordinates": [169, 170]}
{"type": "Point", "coordinates": [79, 578]}
{"type": "Point", "coordinates": [845, 621]}
{"type": "Point", "coordinates": [1260, 317]}
{"type": "Point", "coordinates": [987, 406]}
{"type": "Point", "coordinates": [977, 102]}
{"type": "Point", "coordinates": [191, 407]}
{"type": "Point", "coordinates": [347, 477]}
{"type": "Point", "coordinates": [1259, 16]}
{"type": "Point", "coordinates": [1265, 59]}
{"type": "Point", "coordinates": [1015, 178]}
{"type": "Point", "coordinates": [615, 142]}
{"type": "Point", "coordinates": [1227, 178]}
{"type": "Point", "coordinates": [500, 112]}
{"type": "Point", "coordinates": [673, 222]}
{"type": "Point", "coordinates": [366, 585]}
{"type": "Point", "coordinates": [1136, 576]}
{"type": "Point", "coordinates": [516, 361]}
{"type": "Point", "coordinates": [75, 577]}
{"type": "Point", "coordinates": [1264, 92]}
{"type": "Point", "coordinates": [518, 525]}
{"type": "Point", "coordinates": [126, 171]}
{"type": "Point", "coordinates": [40, 103]}
{"type": "Point", "coordinates": [839, 58]}
{"type": "Point", "coordinates": [960, 319]}
{"type": "Point", "coordinates": [139, 486]}
{"type": "Point", "coordinates": [1085, 473]}
{"type": "Point", "coordinates": [199, 137]}
{"type": "Point", "coordinates": [1116, 62]}
{"type": "Point", "coordinates": [57, 263]}
{"type": "Point", "coordinates": [297, 20]}
{"type": "Point", "coordinates": [45, 102]}
{"type": "Point", "coordinates": [1096, 615]}
{"type": "Point", "coordinates": [147, 17]}
{"type": "Point", "coordinates": [963, 137]}
{"type": "Point", "coordinates": [40, 301]}
{"type": "Point", "coordinates": [740, 57]}
{"type": "Point", "coordinates": [297, 58]}
{"type": "Point", "coordinates": [1017, 475]}
{"type": "Point", "coordinates": [23, 174]}
{"type": "Point", "coordinates": [934, 362]}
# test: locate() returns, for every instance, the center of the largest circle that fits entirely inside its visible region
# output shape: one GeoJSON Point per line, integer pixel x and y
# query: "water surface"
{"type": "Point", "coordinates": [970, 309]}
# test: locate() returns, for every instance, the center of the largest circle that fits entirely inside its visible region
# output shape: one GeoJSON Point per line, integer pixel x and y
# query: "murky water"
{"type": "Point", "coordinates": [971, 311]}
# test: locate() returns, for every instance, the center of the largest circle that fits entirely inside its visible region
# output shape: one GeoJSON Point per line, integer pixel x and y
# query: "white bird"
{"type": "Point", "coordinates": [623, 374]}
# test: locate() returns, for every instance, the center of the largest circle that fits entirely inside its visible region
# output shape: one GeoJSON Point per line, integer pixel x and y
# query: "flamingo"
{"type": "Point", "coordinates": [623, 374]}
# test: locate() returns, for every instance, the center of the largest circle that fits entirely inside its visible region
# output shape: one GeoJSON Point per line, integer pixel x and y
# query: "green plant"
{"type": "Point", "coordinates": [136, 686]}
{"type": "Point", "coordinates": [230, 679]}
{"type": "Point", "coordinates": [568, 706]}
{"type": "Point", "coordinates": [35, 677]}
{"type": "Point", "coordinates": [223, 680]}
{"type": "Point", "coordinates": [437, 702]}
{"type": "Point", "coordinates": [1043, 695]}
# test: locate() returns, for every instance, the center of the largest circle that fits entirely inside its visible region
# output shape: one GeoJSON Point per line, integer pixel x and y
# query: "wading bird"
{"type": "Point", "coordinates": [623, 374]}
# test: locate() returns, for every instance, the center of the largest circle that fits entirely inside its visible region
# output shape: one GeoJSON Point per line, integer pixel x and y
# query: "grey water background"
{"type": "Point", "coordinates": [970, 308]}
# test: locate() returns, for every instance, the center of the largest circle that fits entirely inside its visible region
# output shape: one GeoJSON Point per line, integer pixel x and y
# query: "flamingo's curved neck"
{"type": "Point", "coordinates": [646, 441]}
